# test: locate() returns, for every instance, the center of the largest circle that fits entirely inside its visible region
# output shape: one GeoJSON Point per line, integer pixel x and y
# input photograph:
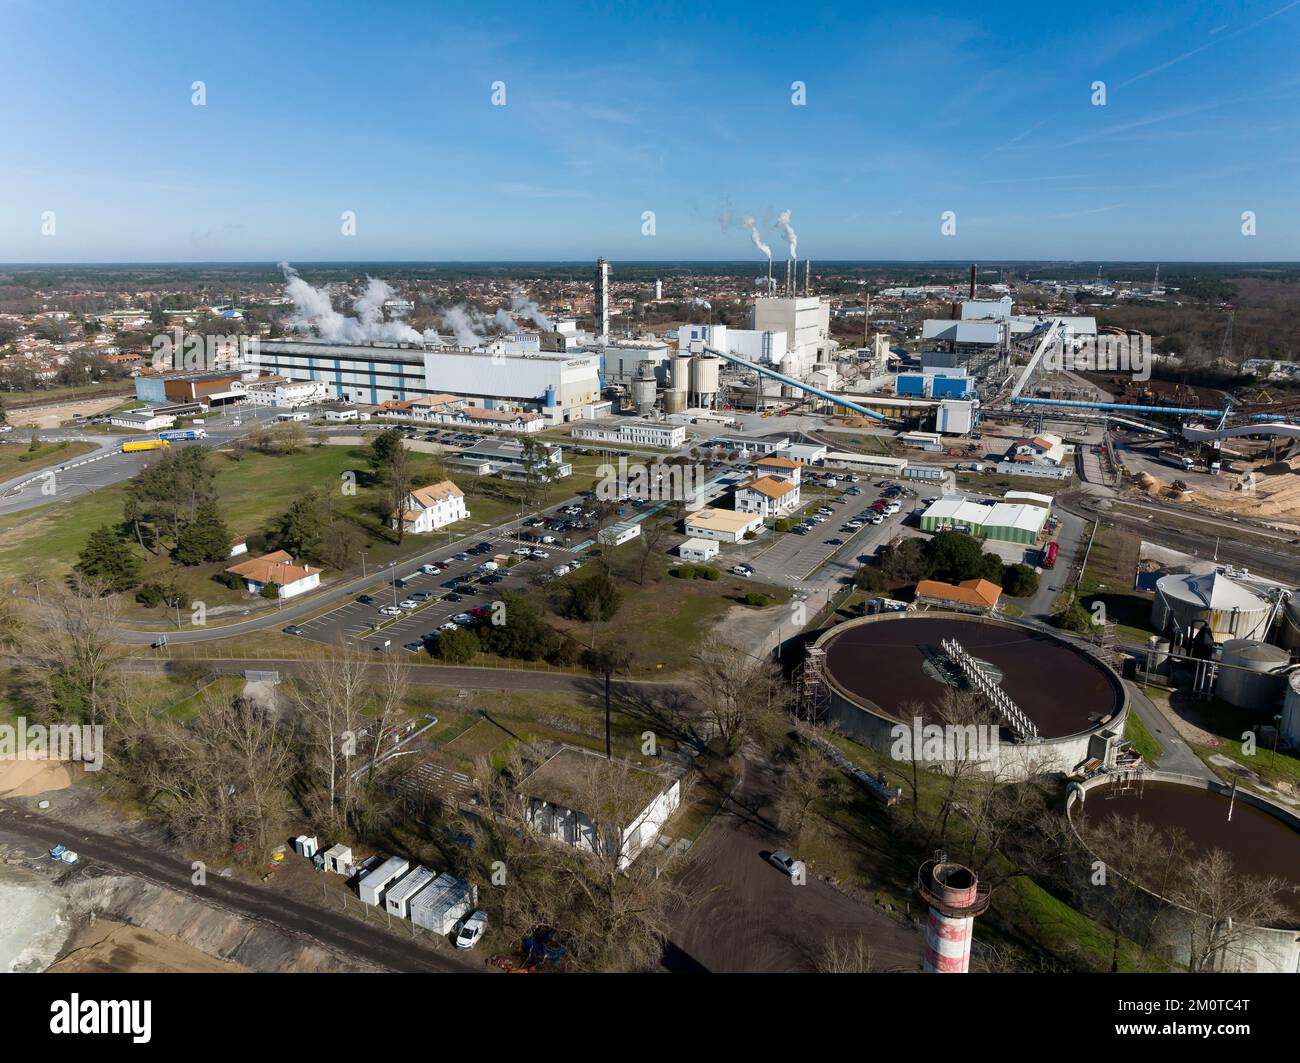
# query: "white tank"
{"type": "Point", "coordinates": [644, 388]}
{"type": "Point", "coordinates": [681, 373]}
{"type": "Point", "coordinates": [1291, 711]}
{"type": "Point", "coordinates": [705, 377]}
{"type": "Point", "coordinates": [1249, 676]}
{"type": "Point", "coordinates": [1184, 602]}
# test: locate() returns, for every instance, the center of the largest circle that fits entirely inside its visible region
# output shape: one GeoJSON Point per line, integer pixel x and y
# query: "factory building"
{"type": "Point", "coordinates": [625, 361]}
{"type": "Point", "coordinates": [509, 460]}
{"type": "Point", "coordinates": [553, 384]}
{"type": "Point", "coordinates": [1003, 521]}
{"type": "Point", "coordinates": [764, 346]}
{"type": "Point", "coordinates": [643, 433]}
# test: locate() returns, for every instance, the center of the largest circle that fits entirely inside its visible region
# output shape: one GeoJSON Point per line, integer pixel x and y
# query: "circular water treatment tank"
{"type": "Point", "coordinates": [1248, 673]}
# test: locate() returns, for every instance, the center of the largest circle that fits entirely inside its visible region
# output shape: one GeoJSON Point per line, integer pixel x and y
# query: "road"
{"type": "Point", "coordinates": [81, 475]}
{"type": "Point", "coordinates": [127, 856]}
{"type": "Point", "coordinates": [746, 916]}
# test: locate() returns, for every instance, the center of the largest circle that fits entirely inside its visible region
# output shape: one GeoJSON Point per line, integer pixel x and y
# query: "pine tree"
{"type": "Point", "coordinates": [108, 560]}
{"type": "Point", "coordinates": [205, 538]}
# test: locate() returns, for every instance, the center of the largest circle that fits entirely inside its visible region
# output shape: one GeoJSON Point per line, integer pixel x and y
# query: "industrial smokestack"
{"type": "Point", "coordinates": [786, 287]}
{"type": "Point", "coordinates": [973, 269]}
{"type": "Point", "coordinates": [807, 276]}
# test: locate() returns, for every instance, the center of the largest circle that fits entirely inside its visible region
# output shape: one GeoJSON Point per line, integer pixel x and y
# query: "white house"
{"type": "Point", "coordinates": [698, 549]}
{"type": "Point", "coordinates": [277, 568]}
{"type": "Point", "coordinates": [767, 496]}
{"type": "Point", "coordinates": [619, 533]}
{"type": "Point", "coordinates": [580, 798]}
{"type": "Point", "coordinates": [429, 508]}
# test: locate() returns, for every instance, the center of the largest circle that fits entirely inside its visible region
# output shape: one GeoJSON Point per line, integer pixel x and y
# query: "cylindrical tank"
{"type": "Point", "coordinates": [644, 388]}
{"type": "Point", "coordinates": [1159, 654]}
{"type": "Point", "coordinates": [1184, 602]}
{"type": "Point", "coordinates": [1289, 634]}
{"type": "Point", "coordinates": [1248, 676]}
{"type": "Point", "coordinates": [681, 373]}
{"type": "Point", "coordinates": [705, 376]}
{"type": "Point", "coordinates": [674, 401]}
{"type": "Point", "coordinates": [1291, 711]}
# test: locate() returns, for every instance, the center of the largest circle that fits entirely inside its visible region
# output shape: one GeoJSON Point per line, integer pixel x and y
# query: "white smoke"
{"type": "Point", "coordinates": [521, 305]}
{"type": "Point", "coordinates": [749, 224]}
{"type": "Point", "coordinates": [466, 325]}
{"type": "Point", "coordinates": [505, 321]}
{"type": "Point", "coordinates": [314, 312]}
{"type": "Point", "coordinates": [783, 220]}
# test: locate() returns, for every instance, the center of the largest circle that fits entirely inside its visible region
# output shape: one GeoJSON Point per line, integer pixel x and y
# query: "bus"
{"type": "Point", "coordinates": [1049, 555]}
{"type": "Point", "coordinates": [134, 445]}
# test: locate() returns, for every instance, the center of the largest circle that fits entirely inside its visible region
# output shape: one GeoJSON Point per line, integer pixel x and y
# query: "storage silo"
{"type": "Point", "coordinates": [705, 377]}
{"type": "Point", "coordinates": [644, 389]}
{"type": "Point", "coordinates": [681, 373]}
{"type": "Point", "coordinates": [1291, 711]}
{"type": "Point", "coordinates": [1185, 603]}
{"type": "Point", "coordinates": [1248, 673]}
{"type": "Point", "coordinates": [674, 402]}
{"type": "Point", "coordinates": [1289, 635]}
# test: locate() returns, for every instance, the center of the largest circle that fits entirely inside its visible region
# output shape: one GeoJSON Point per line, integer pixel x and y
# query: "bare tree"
{"type": "Point", "coordinates": [845, 955]}
{"type": "Point", "coordinates": [1225, 906]}
{"type": "Point", "coordinates": [803, 783]}
{"type": "Point", "coordinates": [741, 695]}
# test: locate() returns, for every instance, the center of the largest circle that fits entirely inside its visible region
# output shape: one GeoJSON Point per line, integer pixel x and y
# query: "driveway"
{"type": "Point", "coordinates": [746, 916]}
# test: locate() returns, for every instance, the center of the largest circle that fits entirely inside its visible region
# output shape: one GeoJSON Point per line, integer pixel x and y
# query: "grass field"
{"type": "Point", "coordinates": [1143, 741]}
{"type": "Point", "coordinates": [253, 490]}
{"type": "Point", "coordinates": [16, 459]}
{"type": "Point", "coordinates": [1108, 578]}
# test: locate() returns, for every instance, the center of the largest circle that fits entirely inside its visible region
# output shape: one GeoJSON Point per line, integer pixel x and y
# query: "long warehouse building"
{"type": "Point", "coordinates": [556, 385]}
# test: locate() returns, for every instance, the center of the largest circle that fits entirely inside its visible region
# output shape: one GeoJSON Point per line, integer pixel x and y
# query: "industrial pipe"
{"type": "Point", "coordinates": [801, 386]}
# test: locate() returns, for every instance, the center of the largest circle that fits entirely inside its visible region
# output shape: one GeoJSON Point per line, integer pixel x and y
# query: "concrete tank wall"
{"type": "Point", "coordinates": [1289, 633]}
{"type": "Point", "coordinates": [1261, 950]}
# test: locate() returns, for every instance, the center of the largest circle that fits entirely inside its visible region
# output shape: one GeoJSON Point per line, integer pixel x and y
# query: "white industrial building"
{"type": "Point", "coordinates": [806, 322]}
{"type": "Point", "coordinates": [286, 394]}
{"type": "Point", "coordinates": [619, 533]}
{"type": "Point", "coordinates": [443, 903]}
{"type": "Point", "coordinates": [551, 383]}
{"type": "Point", "coordinates": [644, 433]}
{"type": "Point", "coordinates": [508, 459]}
{"type": "Point", "coordinates": [636, 803]}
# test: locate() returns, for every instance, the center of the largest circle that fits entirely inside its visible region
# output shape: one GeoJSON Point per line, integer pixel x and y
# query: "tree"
{"type": "Point", "coordinates": [205, 538]}
{"type": "Point", "coordinates": [108, 561]}
{"type": "Point", "coordinates": [802, 784]}
{"type": "Point", "coordinates": [390, 461]}
{"type": "Point", "coordinates": [595, 599]}
{"type": "Point", "coordinates": [340, 543]}
{"type": "Point", "coordinates": [1019, 581]}
{"type": "Point", "coordinates": [742, 696]}
{"type": "Point", "coordinates": [299, 529]}
{"type": "Point", "coordinates": [458, 647]}
{"type": "Point", "coordinates": [271, 591]}
{"type": "Point", "coordinates": [71, 659]}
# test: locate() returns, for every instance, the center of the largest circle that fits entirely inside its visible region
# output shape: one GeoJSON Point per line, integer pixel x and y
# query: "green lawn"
{"type": "Point", "coordinates": [1143, 741]}
{"type": "Point", "coordinates": [17, 459]}
{"type": "Point", "coordinates": [1109, 577]}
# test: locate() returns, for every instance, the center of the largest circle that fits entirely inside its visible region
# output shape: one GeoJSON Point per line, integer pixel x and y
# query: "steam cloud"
{"type": "Point", "coordinates": [753, 235]}
{"type": "Point", "coordinates": [792, 238]}
{"type": "Point", "coordinates": [314, 312]}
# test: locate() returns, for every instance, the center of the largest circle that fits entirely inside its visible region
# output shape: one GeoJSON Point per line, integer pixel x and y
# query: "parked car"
{"type": "Point", "coordinates": [294, 629]}
{"type": "Point", "coordinates": [428, 570]}
{"type": "Point", "coordinates": [783, 861]}
{"type": "Point", "coordinates": [422, 596]}
{"type": "Point", "coordinates": [541, 555]}
{"type": "Point", "coordinates": [471, 930]}
{"type": "Point", "coordinates": [408, 603]}
{"type": "Point", "coordinates": [390, 610]}
{"type": "Point", "coordinates": [413, 647]}
{"type": "Point", "coordinates": [741, 570]}
{"type": "Point", "coordinates": [366, 599]}
{"type": "Point", "coordinates": [460, 557]}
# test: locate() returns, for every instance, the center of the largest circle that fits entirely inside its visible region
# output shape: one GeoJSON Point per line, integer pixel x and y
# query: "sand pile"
{"type": "Point", "coordinates": [27, 778]}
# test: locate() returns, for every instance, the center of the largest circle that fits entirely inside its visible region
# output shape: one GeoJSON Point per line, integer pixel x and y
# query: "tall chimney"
{"type": "Point", "coordinates": [786, 287]}
{"type": "Point", "coordinates": [807, 276]}
{"type": "Point", "coordinates": [973, 269]}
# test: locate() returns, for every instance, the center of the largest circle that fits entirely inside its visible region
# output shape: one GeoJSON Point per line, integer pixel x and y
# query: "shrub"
{"type": "Point", "coordinates": [710, 573]}
{"type": "Point", "coordinates": [684, 572]}
{"type": "Point", "coordinates": [1019, 581]}
{"type": "Point", "coordinates": [459, 646]}
{"type": "Point", "coordinates": [271, 590]}
{"type": "Point", "coordinates": [150, 595]}
{"type": "Point", "coordinates": [756, 599]}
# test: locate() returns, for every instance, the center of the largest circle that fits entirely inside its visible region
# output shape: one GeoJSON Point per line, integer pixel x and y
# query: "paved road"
{"type": "Point", "coordinates": [746, 916]}
{"type": "Point", "coordinates": [340, 933]}
{"type": "Point", "coordinates": [1177, 755]}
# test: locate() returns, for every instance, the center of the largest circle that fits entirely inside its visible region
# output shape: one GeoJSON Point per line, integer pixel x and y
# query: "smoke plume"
{"type": "Point", "coordinates": [314, 312]}
{"type": "Point", "coordinates": [753, 235]}
{"type": "Point", "coordinates": [783, 220]}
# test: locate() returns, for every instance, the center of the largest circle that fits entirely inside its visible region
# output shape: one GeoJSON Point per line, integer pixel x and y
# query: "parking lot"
{"type": "Point", "coordinates": [432, 600]}
{"type": "Point", "coordinates": [791, 559]}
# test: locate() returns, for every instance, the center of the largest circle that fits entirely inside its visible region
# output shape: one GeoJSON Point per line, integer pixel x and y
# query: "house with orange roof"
{"type": "Point", "coordinates": [768, 496]}
{"type": "Point", "coordinates": [279, 569]}
{"type": "Point", "coordinates": [427, 509]}
{"type": "Point", "coordinates": [970, 595]}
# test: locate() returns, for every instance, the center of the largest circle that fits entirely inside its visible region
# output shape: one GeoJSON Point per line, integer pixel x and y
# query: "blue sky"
{"type": "Point", "coordinates": [385, 109]}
